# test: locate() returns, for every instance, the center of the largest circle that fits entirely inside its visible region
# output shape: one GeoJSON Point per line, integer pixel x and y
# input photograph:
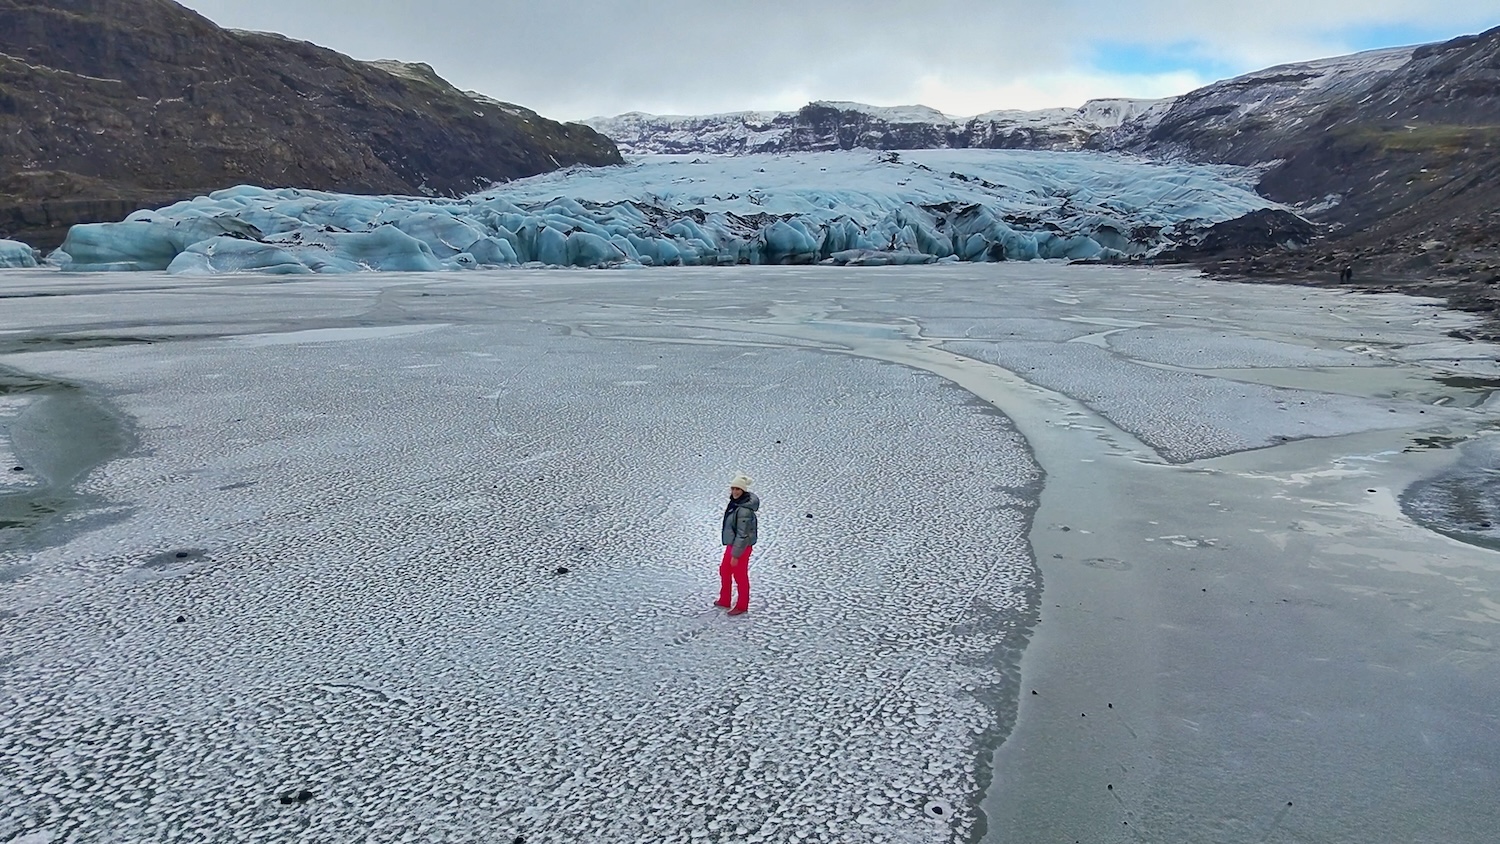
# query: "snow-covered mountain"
{"type": "Point", "coordinates": [831, 125]}
{"type": "Point", "coordinates": [1219, 122]}
{"type": "Point", "coordinates": [1241, 120]}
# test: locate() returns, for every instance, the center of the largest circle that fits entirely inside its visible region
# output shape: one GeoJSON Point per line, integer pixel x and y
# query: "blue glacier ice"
{"type": "Point", "coordinates": [834, 207]}
{"type": "Point", "coordinates": [16, 255]}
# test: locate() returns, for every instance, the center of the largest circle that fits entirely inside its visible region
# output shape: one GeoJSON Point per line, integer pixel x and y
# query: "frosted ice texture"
{"type": "Point", "coordinates": [368, 583]}
{"type": "Point", "coordinates": [855, 208]}
{"type": "Point", "coordinates": [372, 609]}
{"type": "Point", "coordinates": [1182, 415]}
{"type": "Point", "coordinates": [11, 479]}
{"type": "Point", "coordinates": [1464, 498]}
{"type": "Point", "coordinates": [1225, 349]}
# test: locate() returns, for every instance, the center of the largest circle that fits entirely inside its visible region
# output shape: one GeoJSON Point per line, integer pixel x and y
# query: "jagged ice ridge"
{"type": "Point", "coordinates": [842, 208]}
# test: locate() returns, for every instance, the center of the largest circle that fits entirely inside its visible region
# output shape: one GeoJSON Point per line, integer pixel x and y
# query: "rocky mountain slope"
{"type": "Point", "coordinates": [1395, 153]}
{"type": "Point", "coordinates": [823, 126]}
{"type": "Point", "coordinates": [111, 105]}
{"type": "Point", "coordinates": [1243, 120]}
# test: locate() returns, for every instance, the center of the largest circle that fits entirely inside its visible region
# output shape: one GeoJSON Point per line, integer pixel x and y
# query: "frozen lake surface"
{"type": "Point", "coordinates": [437, 552]}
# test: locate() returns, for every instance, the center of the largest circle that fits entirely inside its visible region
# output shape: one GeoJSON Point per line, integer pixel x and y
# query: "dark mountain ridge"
{"type": "Point", "coordinates": [111, 105]}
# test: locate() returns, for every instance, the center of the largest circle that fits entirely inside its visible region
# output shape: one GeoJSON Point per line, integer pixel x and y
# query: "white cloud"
{"type": "Point", "coordinates": [578, 58]}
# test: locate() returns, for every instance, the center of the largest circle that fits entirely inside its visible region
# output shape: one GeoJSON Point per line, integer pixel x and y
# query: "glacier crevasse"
{"type": "Point", "coordinates": [839, 207]}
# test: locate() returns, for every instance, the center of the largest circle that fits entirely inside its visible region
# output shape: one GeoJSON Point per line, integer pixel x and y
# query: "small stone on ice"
{"type": "Point", "coordinates": [18, 468]}
{"type": "Point", "coordinates": [563, 569]}
{"type": "Point", "coordinates": [181, 619]}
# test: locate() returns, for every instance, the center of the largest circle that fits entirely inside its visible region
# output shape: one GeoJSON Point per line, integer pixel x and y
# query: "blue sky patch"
{"type": "Point", "coordinates": [1375, 36]}
{"type": "Point", "coordinates": [1118, 57]}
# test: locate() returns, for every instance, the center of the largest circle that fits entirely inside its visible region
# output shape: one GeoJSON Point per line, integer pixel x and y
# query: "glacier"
{"type": "Point", "coordinates": [846, 208]}
{"type": "Point", "coordinates": [16, 255]}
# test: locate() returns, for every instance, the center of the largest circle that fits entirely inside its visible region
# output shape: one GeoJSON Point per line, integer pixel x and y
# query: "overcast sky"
{"type": "Point", "coordinates": [572, 59]}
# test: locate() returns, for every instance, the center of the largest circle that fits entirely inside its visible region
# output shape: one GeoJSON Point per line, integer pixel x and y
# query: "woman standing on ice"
{"type": "Point", "coordinates": [739, 534]}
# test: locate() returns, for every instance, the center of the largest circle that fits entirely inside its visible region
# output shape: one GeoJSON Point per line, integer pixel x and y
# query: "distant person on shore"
{"type": "Point", "coordinates": [1346, 275]}
{"type": "Point", "coordinates": [739, 535]}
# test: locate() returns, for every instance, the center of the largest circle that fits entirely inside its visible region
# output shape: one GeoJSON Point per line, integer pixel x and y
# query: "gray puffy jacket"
{"type": "Point", "coordinates": [740, 523]}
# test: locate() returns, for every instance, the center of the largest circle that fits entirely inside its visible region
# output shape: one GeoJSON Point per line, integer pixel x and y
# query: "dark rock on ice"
{"type": "Point", "coordinates": [301, 795]}
{"type": "Point", "coordinates": [172, 559]}
{"type": "Point", "coordinates": [1262, 230]}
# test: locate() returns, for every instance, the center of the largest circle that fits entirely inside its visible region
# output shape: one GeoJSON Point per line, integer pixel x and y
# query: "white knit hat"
{"type": "Point", "coordinates": [740, 481]}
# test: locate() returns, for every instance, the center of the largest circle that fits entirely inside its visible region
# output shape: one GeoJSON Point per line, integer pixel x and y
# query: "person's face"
{"type": "Point", "coordinates": [735, 492]}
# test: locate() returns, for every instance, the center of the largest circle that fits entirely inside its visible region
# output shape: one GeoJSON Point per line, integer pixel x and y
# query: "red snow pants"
{"type": "Point", "coordinates": [736, 571]}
